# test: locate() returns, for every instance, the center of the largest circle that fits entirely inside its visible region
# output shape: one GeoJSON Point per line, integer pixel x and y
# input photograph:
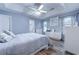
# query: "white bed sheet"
{"type": "Point", "coordinates": [23, 44]}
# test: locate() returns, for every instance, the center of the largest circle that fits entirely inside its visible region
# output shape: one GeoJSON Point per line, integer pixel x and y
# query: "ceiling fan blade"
{"type": "Point", "coordinates": [43, 11]}
{"type": "Point", "coordinates": [41, 6]}
{"type": "Point", "coordinates": [33, 8]}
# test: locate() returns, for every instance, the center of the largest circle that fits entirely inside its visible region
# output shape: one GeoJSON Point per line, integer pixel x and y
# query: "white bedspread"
{"type": "Point", "coordinates": [23, 44]}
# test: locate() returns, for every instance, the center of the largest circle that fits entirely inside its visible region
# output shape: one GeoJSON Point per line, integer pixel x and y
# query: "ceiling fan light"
{"type": "Point", "coordinates": [38, 13]}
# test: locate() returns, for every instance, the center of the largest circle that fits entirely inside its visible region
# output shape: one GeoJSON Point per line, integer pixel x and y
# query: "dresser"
{"type": "Point", "coordinates": [71, 39]}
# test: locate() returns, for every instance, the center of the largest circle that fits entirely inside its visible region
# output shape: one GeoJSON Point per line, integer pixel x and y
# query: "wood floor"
{"type": "Point", "coordinates": [46, 52]}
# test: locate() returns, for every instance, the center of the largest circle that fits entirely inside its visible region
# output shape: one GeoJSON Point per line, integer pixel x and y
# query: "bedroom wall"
{"type": "Point", "coordinates": [20, 23]}
{"type": "Point", "coordinates": [38, 26]}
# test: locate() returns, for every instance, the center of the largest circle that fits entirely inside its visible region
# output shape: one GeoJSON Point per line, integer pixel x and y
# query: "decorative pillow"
{"type": "Point", "coordinates": [5, 37]}
{"type": "Point", "coordinates": [9, 33]}
{"type": "Point", "coordinates": [2, 40]}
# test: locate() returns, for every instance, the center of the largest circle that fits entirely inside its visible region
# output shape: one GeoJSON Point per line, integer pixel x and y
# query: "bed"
{"type": "Point", "coordinates": [24, 44]}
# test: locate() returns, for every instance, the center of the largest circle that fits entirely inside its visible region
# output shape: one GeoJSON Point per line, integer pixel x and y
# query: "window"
{"type": "Point", "coordinates": [45, 26]}
{"type": "Point", "coordinates": [67, 21]}
{"type": "Point", "coordinates": [70, 21]}
{"type": "Point", "coordinates": [54, 24]}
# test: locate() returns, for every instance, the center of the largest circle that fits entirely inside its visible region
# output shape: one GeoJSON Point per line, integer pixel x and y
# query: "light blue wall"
{"type": "Point", "coordinates": [20, 22]}
{"type": "Point", "coordinates": [38, 24]}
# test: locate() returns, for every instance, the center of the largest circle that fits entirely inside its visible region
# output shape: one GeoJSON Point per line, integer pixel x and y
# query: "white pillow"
{"type": "Point", "coordinates": [2, 40]}
{"type": "Point", "coordinates": [9, 33]}
{"type": "Point", "coordinates": [5, 37]}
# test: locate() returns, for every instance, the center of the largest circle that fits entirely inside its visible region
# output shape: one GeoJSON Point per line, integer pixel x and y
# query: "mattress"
{"type": "Point", "coordinates": [23, 44]}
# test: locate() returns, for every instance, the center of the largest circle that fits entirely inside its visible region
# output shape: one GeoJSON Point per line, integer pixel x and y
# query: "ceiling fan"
{"type": "Point", "coordinates": [39, 9]}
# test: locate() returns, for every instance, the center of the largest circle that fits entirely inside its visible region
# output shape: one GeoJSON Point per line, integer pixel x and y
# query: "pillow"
{"type": "Point", "coordinates": [9, 33]}
{"type": "Point", "coordinates": [5, 37]}
{"type": "Point", "coordinates": [2, 40]}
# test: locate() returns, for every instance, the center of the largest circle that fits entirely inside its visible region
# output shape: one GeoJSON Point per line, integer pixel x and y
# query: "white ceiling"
{"type": "Point", "coordinates": [58, 8]}
{"type": "Point", "coordinates": [65, 8]}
